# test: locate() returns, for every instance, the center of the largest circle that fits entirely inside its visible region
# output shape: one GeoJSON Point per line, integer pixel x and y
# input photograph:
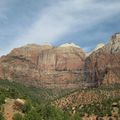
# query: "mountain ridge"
{"type": "Point", "coordinates": [65, 66]}
{"type": "Point", "coordinates": [43, 65]}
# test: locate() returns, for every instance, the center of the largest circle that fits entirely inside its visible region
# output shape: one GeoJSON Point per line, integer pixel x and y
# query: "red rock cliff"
{"type": "Point", "coordinates": [45, 66]}
{"type": "Point", "coordinates": [103, 65]}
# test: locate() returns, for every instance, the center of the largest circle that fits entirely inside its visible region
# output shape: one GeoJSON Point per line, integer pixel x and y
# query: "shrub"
{"type": "Point", "coordinates": [17, 116]}
{"type": "Point", "coordinates": [1, 116]}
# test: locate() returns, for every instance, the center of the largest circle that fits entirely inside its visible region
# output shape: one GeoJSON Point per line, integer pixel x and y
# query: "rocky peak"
{"type": "Point", "coordinates": [99, 46]}
{"type": "Point", "coordinates": [36, 46]}
{"type": "Point", "coordinates": [95, 49]}
{"type": "Point", "coordinates": [115, 43]}
{"type": "Point", "coordinates": [115, 38]}
{"type": "Point", "coordinates": [69, 45]}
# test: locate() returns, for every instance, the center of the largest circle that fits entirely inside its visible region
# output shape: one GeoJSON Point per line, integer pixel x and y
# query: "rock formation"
{"type": "Point", "coordinates": [66, 66]}
{"type": "Point", "coordinates": [103, 65]}
{"type": "Point", "coordinates": [44, 66]}
{"type": "Point", "coordinates": [99, 46]}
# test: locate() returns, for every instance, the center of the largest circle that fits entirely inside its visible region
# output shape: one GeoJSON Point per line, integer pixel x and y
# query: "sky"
{"type": "Point", "coordinates": [83, 22]}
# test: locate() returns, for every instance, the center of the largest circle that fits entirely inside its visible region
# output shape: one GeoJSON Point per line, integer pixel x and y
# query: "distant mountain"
{"type": "Point", "coordinates": [44, 65]}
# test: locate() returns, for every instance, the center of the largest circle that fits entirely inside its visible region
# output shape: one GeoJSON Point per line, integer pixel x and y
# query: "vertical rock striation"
{"type": "Point", "coordinates": [44, 66]}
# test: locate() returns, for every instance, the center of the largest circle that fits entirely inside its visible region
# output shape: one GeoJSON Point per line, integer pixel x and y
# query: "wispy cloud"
{"type": "Point", "coordinates": [64, 17]}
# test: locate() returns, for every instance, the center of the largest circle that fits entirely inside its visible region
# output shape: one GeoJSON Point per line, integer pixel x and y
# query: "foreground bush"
{"type": "Point", "coordinates": [17, 116]}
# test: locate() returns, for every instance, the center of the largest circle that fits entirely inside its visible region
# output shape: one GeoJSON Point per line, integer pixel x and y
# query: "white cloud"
{"type": "Point", "coordinates": [65, 16]}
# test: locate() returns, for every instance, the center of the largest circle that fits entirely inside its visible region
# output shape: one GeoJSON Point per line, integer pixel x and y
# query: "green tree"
{"type": "Point", "coordinates": [76, 117]}
{"type": "Point", "coordinates": [1, 116]}
{"type": "Point", "coordinates": [53, 113]}
{"type": "Point", "coordinates": [27, 107]}
{"type": "Point", "coordinates": [2, 99]}
{"type": "Point", "coordinates": [17, 116]}
{"type": "Point", "coordinates": [32, 115]}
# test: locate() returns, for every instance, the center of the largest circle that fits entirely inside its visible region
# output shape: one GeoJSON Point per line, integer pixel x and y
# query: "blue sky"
{"type": "Point", "coordinates": [83, 22]}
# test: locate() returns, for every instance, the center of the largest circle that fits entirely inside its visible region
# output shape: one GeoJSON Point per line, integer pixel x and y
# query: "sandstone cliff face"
{"type": "Point", "coordinates": [103, 65]}
{"type": "Point", "coordinates": [65, 66]}
{"type": "Point", "coordinates": [44, 66]}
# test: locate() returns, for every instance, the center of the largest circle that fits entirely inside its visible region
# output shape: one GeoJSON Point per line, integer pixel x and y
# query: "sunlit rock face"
{"type": "Point", "coordinates": [103, 65]}
{"type": "Point", "coordinates": [65, 66]}
{"type": "Point", "coordinates": [44, 66]}
{"type": "Point", "coordinates": [98, 47]}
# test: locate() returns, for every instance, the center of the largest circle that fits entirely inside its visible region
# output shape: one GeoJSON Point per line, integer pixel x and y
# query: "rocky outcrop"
{"type": "Point", "coordinates": [103, 65]}
{"type": "Point", "coordinates": [12, 107]}
{"type": "Point", "coordinates": [44, 66]}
